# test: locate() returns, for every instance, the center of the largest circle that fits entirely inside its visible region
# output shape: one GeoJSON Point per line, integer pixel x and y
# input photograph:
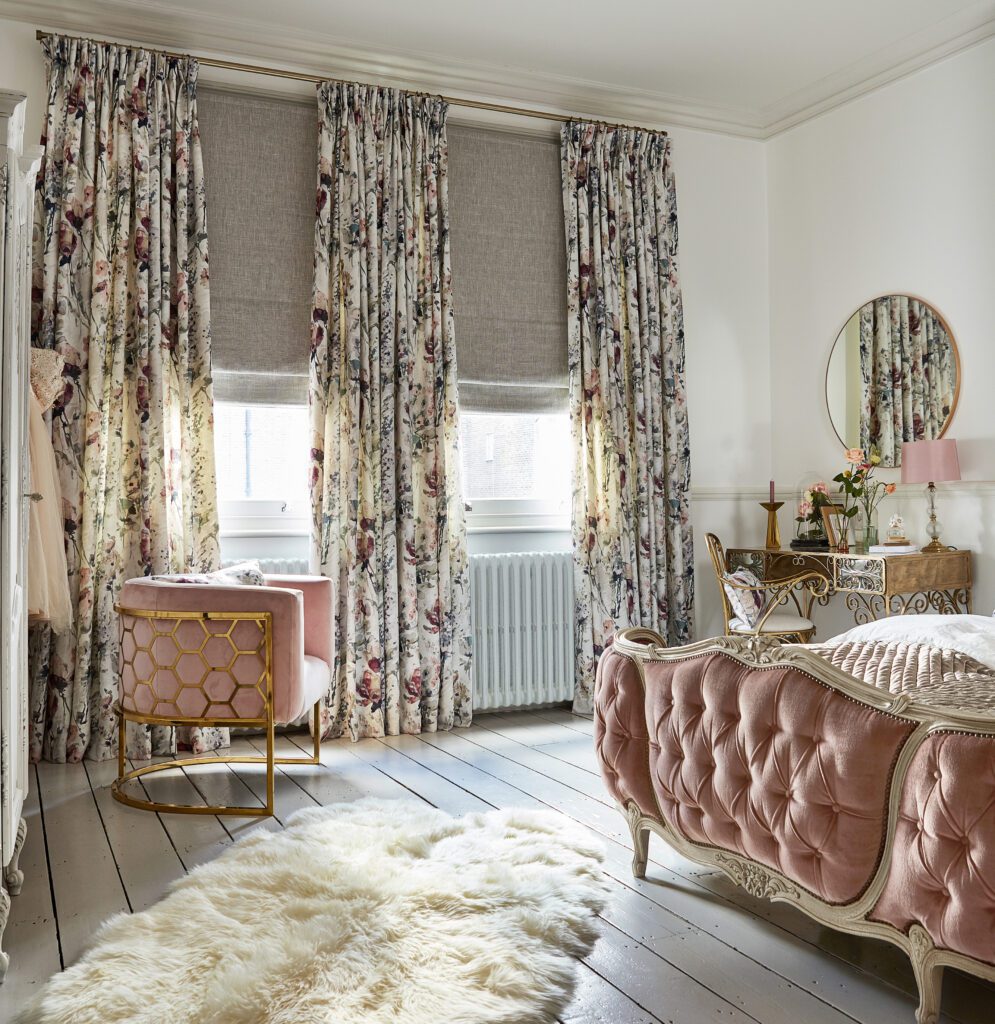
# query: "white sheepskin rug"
{"type": "Point", "coordinates": [376, 912]}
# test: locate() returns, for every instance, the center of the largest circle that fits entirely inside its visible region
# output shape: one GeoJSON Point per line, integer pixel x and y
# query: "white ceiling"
{"type": "Point", "coordinates": [748, 66]}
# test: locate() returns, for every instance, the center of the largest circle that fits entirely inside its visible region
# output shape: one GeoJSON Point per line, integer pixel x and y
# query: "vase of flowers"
{"type": "Point", "coordinates": [860, 493]}
{"type": "Point", "coordinates": [810, 530]}
{"type": "Point", "coordinates": [874, 492]}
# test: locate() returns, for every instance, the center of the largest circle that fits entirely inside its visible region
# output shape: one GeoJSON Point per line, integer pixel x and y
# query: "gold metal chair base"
{"type": "Point", "coordinates": [269, 759]}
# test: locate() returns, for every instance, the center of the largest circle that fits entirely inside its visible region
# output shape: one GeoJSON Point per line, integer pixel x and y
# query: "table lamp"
{"type": "Point", "coordinates": [929, 462]}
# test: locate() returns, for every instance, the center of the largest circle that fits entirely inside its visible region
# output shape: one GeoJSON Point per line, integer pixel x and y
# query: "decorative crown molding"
{"type": "Point", "coordinates": [206, 33]}
{"type": "Point", "coordinates": [203, 33]}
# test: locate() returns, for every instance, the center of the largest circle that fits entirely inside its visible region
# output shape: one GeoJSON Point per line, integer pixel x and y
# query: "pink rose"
{"type": "Point", "coordinates": [855, 456]}
{"type": "Point", "coordinates": [820, 487]}
{"type": "Point", "coordinates": [805, 509]}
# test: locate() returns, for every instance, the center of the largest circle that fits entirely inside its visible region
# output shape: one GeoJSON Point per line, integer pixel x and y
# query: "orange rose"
{"type": "Point", "coordinates": [855, 456]}
{"type": "Point", "coordinates": [889, 488]}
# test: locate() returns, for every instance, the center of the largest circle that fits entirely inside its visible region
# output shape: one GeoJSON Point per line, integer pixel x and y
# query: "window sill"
{"type": "Point", "coordinates": [517, 529]}
{"type": "Point", "coordinates": [263, 533]}
{"type": "Point", "coordinates": [483, 523]}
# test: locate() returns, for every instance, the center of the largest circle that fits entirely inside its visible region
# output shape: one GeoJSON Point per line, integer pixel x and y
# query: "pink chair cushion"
{"type": "Point", "coordinates": [189, 652]}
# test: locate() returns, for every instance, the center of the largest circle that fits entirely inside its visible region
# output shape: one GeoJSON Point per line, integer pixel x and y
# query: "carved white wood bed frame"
{"type": "Point", "coordinates": [928, 961]}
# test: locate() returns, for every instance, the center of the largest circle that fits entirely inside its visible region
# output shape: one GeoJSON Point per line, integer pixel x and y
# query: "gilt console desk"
{"type": "Point", "coordinates": [874, 585]}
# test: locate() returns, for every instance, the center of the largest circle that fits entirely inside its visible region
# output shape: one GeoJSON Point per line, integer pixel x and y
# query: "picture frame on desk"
{"type": "Point", "coordinates": [828, 511]}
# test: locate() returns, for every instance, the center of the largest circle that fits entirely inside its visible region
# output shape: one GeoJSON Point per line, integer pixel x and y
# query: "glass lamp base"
{"type": "Point", "coordinates": [933, 526]}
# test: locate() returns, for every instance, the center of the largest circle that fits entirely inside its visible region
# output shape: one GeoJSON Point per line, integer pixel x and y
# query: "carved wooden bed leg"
{"type": "Point", "coordinates": [929, 976]}
{"type": "Point", "coordinates": [640, 841]}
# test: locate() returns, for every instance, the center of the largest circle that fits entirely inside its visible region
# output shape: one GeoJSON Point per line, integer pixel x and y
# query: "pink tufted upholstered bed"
{"type": "Point", "coordinates": [873, 814]}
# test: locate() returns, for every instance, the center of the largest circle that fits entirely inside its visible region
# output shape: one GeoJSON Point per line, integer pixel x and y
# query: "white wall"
{"type": "Point", "coordinates": [891, 193]}
{"type": "Point", "coordinates": [22, 69]}
{"type": "Point", "coordinates": [722, 209]}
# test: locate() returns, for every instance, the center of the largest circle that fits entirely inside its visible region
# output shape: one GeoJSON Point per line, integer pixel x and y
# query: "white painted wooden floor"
{"type": "Point", "coordinates": [684, 946]}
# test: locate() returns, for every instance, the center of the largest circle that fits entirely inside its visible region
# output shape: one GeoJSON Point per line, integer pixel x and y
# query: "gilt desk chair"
{"type": "Point", "coordinates": [778, 619]}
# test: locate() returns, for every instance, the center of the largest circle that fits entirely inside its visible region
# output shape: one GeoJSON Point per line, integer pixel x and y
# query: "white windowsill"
{"type": "Point", "coordinates": [476, 530]}
{"type": "Point", "coordinates": [516, 515]}
{"type": "Point", "coordinates": [263, 533]}
{"type": "Point", "coordinates": [524, 523]}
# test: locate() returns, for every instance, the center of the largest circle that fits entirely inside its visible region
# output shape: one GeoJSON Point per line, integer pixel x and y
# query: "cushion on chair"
{"type": "Point", "coordinates": [241, 574]}
{"type": "Point", "coordinates": [747, 605]}
{"type": "Point", "coordinates": [777, 622]}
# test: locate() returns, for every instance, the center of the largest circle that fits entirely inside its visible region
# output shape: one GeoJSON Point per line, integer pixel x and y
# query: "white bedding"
{"type": "Point", "coordinates": [973, 635]}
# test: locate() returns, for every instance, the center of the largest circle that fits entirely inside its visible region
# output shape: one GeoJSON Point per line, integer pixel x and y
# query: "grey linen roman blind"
{"type": "Point", "coordinates": [509, 271]}
{"type": "Point", "coordinates": [260, 165]}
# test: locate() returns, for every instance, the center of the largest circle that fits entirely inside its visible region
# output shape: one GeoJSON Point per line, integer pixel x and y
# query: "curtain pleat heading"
{"type": "Point", "coordinates": [509, 277]}
{"type": "Point", "coordinates": [260, 155]}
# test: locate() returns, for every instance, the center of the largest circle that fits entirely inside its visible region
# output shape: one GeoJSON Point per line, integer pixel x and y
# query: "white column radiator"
{"type": "Point", "coordinates": [276, 566]}
{"type": "Point", "coordinates": [522, 608]}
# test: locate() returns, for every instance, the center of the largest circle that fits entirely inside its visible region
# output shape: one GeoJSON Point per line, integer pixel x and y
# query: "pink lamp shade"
{"type": "Point", "coordinates": [930, 461]}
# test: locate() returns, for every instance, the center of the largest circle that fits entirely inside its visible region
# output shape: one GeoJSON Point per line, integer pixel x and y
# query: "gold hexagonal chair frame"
{"type": "Point", "coordinates": [215, 627]}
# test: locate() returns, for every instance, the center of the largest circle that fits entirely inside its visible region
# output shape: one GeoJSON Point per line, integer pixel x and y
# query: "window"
{"type": "Point", "coordinates": [261, 454]}
{"type": "Point", "coordinates": [516, 470]}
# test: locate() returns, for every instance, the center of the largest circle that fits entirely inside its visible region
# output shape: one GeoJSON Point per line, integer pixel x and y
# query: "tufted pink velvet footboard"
{"type": "Point", "coordinates": [872, 814]}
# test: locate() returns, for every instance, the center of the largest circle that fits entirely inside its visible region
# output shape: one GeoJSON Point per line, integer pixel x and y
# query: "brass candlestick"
{"type": "Point", "coordinates": [773, 530]}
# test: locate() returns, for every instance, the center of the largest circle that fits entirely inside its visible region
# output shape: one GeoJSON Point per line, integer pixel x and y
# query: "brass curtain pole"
{"type": "Point", "coordinates": [303, 76]}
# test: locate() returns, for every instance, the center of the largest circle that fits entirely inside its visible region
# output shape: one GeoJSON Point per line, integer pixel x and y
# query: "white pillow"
{"type": "Point", "coordinates": [747, 605]}
{"type": "Point", "coordinates": [245, 574]}
{"type": "Point", "coordinates": [242, 574]}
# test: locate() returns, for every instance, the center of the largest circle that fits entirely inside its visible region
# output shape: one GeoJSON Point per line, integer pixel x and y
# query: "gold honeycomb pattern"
{"type": "Point", "coordinates": [211, 665]}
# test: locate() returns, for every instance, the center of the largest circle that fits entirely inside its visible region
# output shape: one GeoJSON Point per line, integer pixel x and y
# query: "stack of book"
{"type": "Point", "coordinates": [893, 549]}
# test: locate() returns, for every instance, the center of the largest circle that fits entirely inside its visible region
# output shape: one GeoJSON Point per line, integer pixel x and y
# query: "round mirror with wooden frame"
{"type": "Point", "coordinates": [893, 376]}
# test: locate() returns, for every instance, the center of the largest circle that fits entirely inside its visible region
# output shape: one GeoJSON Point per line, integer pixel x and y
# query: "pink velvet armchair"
{"type": "Point", "coordinates": [218, 655]}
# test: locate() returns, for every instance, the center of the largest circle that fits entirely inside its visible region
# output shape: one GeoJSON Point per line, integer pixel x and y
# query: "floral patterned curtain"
{"type": "Point", "coordinates": [633, 559]}
{"type": "Point", "coordinates": [908, 375]}
{"type": "Point", "coordinates": [385, 483]}
{"type": "Point", "coordinates": [121, 290]}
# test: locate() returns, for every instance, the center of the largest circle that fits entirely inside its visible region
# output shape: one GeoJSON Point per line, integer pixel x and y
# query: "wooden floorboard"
{"type": "Point", "coordinates": [683, 945]}
{"type": "Point", "coordinates": [85, 880]}
{"type": "Point", "coordinates": [196, 838]}
{"type": "Point", "coordinates": [146, 860]}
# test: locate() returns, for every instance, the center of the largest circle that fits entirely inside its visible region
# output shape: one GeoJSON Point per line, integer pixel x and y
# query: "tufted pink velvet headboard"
{"type": "Point", "coordinates": [942, 872]}
{"type": "Point", "coordinates": [870, 812]}
{"type": "Point", "coordinates": [766, 763]}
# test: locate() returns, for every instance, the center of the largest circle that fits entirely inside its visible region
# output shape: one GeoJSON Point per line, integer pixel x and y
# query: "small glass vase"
{"type": "Point", "coordinates": [866, 531]}
{"type": "Point", "coordinates": [841, 527]}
